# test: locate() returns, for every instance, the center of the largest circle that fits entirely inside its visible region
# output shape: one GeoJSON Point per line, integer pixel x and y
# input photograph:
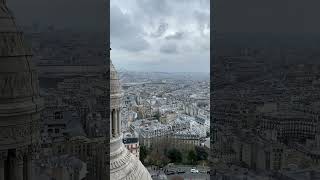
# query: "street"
{"type": "Point", "coordinates": [192, 176]}
{"type": "Point", "coordinates": [184, 172]}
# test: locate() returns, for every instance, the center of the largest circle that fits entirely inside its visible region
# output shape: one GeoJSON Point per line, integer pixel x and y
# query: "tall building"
{"type": "Point", "coordinates": [131, 142]}
{"type": "Point", "coordinates": [123, 164]}
{"type": "Point", "coordinates": [20, 103]}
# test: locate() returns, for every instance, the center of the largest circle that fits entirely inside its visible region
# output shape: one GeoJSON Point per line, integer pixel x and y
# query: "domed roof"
{"type": "Point", "coordinates": [115, 87]}
{"type": "Point", "coordinates": [20, 102]}
{"type": "Point", "coordinates": [125, 166]}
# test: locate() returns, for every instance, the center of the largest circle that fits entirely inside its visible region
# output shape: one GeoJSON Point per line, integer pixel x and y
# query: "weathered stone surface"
{"type": "Point", "coordinates": [123, 164]}
{"type": "Point", "coordinates": [20, 103]}
{"type": "Point", "coordinates": [115, 87]}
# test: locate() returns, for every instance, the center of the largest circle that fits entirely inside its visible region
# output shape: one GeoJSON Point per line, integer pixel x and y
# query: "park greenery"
{"type": "Point", "coordinates": [163, 155]}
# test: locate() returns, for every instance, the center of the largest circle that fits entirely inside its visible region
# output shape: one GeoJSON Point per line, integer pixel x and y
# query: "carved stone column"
{"type": "Point", "coordinates": [19, 169]}
{"type": "Point", "coordinates": [118, 121]}
{"type": "Point", "coordinates": [115, 121]}
{"type": "Point", "coordinates": [112, 123]}
{"type": "Point", "coordinates": [19, 161]}
{"type": "Point", "coordinates": [11, 167]}
{"type": "Point", "coordinates": [3, 158]}
{"type": "Point", "coordinates": [1, 169]}
{"type": "Point", "coordinates": [27, 168]}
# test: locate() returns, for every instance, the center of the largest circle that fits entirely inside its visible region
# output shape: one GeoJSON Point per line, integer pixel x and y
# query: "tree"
{"type": "Point", "coordinates": [158, 159]}
{"type": "Point", "coordinates": [157, 115]}
{"type": "Point", "coordinates": [143, 153]}
{"type": "Point", "coordinates": [174, 155]}
{"type": "Point", "coordinates": [192, 157]}
{"type": "Point", "coordinates": [201, 153]}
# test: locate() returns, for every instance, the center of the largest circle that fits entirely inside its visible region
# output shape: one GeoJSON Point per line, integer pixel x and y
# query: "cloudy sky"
{"type": "Point", "coordinates": [160, 35]}
{"type": "Point", "coordinates": [79, 15]}
{"type": "Point", "coordinates": [276, 16]}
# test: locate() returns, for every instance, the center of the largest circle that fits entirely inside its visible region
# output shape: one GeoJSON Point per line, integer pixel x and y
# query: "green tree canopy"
{"type": "Point", "coordinates": [174, 155]}
{"type": "Point", "coordinates": [143, 153]}
{"type": "Point", "coordinates": [201, 153]}
{"type": "Point", "coordinates": [192, 157]}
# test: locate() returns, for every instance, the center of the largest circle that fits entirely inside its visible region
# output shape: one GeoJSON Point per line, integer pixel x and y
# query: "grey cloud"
{"type": "Point", "coordinates": [155, 27]}
{"type": "Point", "coordinates": [202, 3]}
{"type": "Point", "coordinates": [175, 36]}
{"type": "Point", "coordinates": [154, 7]}
{"type": "Point", "coordinates": [134, 44]}
{"type": "Point", "coordinates": [161, 30]}
{"type": "Point", "coordinates": [203, 19]}
{"type": "Point", "coordinates": [74, 14]}
{"type": "Point", "coordinates": [170, 48]}
{"type": "Point", "coordinates": [120, 24]}
{"type": "Point", "coordinates": [124, 33]}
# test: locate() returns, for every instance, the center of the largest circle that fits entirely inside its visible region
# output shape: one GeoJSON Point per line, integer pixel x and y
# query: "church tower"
{"type": "Point", "coordinates": [20, 103]}
{"type": "Point", "coordinates": [123, 164]}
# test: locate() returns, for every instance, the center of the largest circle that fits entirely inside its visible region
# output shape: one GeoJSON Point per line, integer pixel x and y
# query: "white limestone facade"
{"type": "Point", "coordinates": [123, 164]}
{"type": "Point", "coordinates": [20, 103]}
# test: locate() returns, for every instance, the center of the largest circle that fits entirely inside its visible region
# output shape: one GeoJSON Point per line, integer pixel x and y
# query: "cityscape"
{"type": "Point", "coordinates": [166, 121]}
{"type": "Point", "coordinates": [62, 120]}
{"type": "Point", "coordinates": [265, 108]}
{"type": "Point", "coordinates": [148, 103]}
{"type": "Point", "coordinates": [160, 51]}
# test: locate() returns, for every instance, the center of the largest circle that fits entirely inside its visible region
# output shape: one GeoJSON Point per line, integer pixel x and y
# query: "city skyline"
{"type": "Point", "coordinates": [160, 36]}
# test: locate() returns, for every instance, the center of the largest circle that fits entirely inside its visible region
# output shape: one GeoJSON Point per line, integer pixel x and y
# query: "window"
{"type": "Point", "coordinates": [58, 115]}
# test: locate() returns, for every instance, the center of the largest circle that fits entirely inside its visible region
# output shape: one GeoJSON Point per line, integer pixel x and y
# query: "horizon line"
{"type": "Point", "coordinates": [121, 70]}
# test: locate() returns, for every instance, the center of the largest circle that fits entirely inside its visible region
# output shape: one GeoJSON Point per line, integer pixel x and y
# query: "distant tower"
{"type": "Point", "coordinates": [20, 103]}
{"type": "Point", "coordinates": [123, 164]}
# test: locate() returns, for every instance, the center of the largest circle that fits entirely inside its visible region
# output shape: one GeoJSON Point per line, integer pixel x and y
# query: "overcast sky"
{"type": "Point", "coordinates": [79, 15]}
{"type": "Point", "coordinates": [275, 16]}
{"type": "Point", "coordinates": [160, 35]}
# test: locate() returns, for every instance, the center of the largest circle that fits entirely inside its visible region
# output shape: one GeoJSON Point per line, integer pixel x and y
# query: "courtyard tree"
{"type": "Point", "coordinates": [143, 153]}
{"type": "Point", "coordinates": [192, 157]}
{"type": "Point", "coordinates": [201, 153]}
{"type": "Point", "coordinates": [174, 155]}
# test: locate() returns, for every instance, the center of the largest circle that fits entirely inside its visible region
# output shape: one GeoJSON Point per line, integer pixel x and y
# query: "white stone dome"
{"type": "Point", "coordinates": [114, 80]}
{"type": "Point", "coordinates": [20, 102]}
{"type": "Point", "coordinates": [115, 88]}
{"type": "Point", "coordinates": [123, 164]}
